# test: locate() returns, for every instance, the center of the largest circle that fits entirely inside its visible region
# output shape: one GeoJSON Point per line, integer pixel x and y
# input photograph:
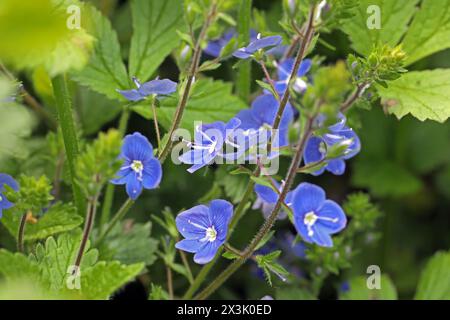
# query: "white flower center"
{"type": "Point", "coordinates": [210, 234]}
{"type": "Point", "coordinates": [137, 167]}
{"type": "Point", "coordinates": [1, 198]}
{"type": "Point", "coordinates": [311, 218]}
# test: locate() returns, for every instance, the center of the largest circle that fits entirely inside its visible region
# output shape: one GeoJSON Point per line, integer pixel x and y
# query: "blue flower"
{"type": "Point", "coordinates": [205, 229]}
{"type": "Point", "coordinates": [7, 180]}
{"type": "Point", "coordinates": [316, 147]}
{"type": "Point", "coordinates": [258, 44]}
{"type": "Point", "coordinates": [267, 198]}
{"type": "Point", "coordinates": [284, 72]}
{"type": "Point", "coordinates": [262, 113]}
{"type": "Point", "coordinates": [140, 169]}
{"type": "Point", "coordinates": [154, 87]}
{"type": "Point", "coordinates": [215, 47]}
{"type": "Point", "coordinates": [316, 218]}
{"type": "Point", "coordinates": [209, 140]}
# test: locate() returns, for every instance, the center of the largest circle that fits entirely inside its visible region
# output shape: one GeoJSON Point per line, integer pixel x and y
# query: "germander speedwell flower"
{"type": "Point", "coordinates": [7, 180]}
{"type": "Point", "coordinates": [284, 73]}
{"type": "Point", "coordinates": [205, 229]}
{"type": "Point", "coordinates": [140, 169]}
{"type": "Point", "coordinates": [209, 142]}
{"type": "Point", "coordinates": [155, 87]}
{"type": "Point", "coordinates": [267, 198]}
{"type": "Point", "coordinates": [317, 146]}
{"type": "Point", "coordinates": [258, 44]}
{"type": "Point", "coordinates": [316, 218]}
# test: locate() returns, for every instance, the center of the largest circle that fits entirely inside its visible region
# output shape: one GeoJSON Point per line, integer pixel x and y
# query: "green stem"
{"type": "Point", "coordinates": [66, 121]}
{"type": "Point", "coordinates": [109, 194]}
{"type": "Point", "coordinates": [189, 82]}
{"type": "Point", "coordinates": [118, 216]}
{"type": "Point", "coordinates": [243, 81]}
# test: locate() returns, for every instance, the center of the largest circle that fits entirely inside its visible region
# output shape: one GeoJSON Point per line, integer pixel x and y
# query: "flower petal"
{"type": "Point", "coordinates": [137, 147]}
{"type": "Point", "coordinates": [263, 43]}
{"type": "Point", "coordinates": [331, 210]}
{"type": "Point", "coordinates": [152, 173]}
{"type": "Point", "coordinates": [266, 193]}
{"type": "Point", "coordinates": [221, 212]}
{"type": "Point", "coordinates": [133, 186]}
{"type": "Point", "coordinates": [336, 166]}
{"type": "Point", "coordinates": [207, 252]}
{"type": "Point", "coordinates": [307, 197]}
{"type": "Point", "coordinates": [159, 87]}
{"type": "Point", "coordinates": [313, 153]}
{"type": "Point", "coordinates": [247, 120]}
{"type": "Point", "coordinates": [188, 245]}
{"type": "Point", "coordinates": [321, 237]}
{"type": "Point", "coordinates": [131, 95]}
{"type": "Point", "coordinates": [188, 222]}
{"type": "Point", "coordinates": [242, 54]}
{"type": "Point", "coordinates": [6, 179]}
{"type": "Point", "coordinates": [305, 66]}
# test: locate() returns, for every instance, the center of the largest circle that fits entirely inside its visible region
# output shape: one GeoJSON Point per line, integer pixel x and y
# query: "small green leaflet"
{"type": "Point", "coordinates": [423, 94]}
{"type": "Point", "coordinates": [434, 283]}
{"type": "Point", "coordinates": [155, 23]}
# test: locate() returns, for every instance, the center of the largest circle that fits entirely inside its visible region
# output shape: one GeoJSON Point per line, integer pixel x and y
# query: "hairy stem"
{"type": "Point", "coordinates": [357, 93]}
{"type": "Point", "coordinates": [117, 217]}
{"type": "Point", "coordinates": [155, 122]}
{"type": "Point", "coordinates": [189, 82]}
{"type": "Point", "coordinates": [298, 60]}
{"type": "Point", "coordinates": [66, 121]}
{"type": "Point", "coordinates": [267, 226]}
{"type": "Point", "coordinates": [88, 224]}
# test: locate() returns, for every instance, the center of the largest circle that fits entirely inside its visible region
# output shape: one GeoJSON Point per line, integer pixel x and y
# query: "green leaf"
{"type": "Point", "coordinates": [429, 32]}
{"type": "Point", "coordinates": [59, 218]}
{"type": "Point", "coordinates": [93, 119]}
{"type": "Point", "coordinates": [233, 185]}
{"type": "Point", "coordinates": [56, 256]}
{"type": "Point", "coordinates": [155, 24]}
{"type": "Point", "coordinates": [102, 280]}
{"type": "Point", "coordinates": [105, 71]}
{"type": "Point", "coordinates": [210, 101]}
{"type": "Point", "coordinates": [15, 266]}
{"type": "Point", "coordinates": [130, 244]}
{"type": "Point", "coordinates": [395, 16]}
{"type": "Point", "coordinates": [434, 283]}
{"type": "Point", "coordinates": [423, 94]}
{"type": "Point", "coordinates": [360, 291]}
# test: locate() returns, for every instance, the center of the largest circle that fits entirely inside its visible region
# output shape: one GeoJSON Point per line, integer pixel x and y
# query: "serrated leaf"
{"type": "Point", "coordinates": [155, 23]}
{"type": "Point", "coordinates": [130, 244]}
{"type": "Point", "coordinates": [360, 291]}
{"type": "Point", "coordinates": [15, 266]}
{"type": "Point", "coordinates": [423, 94]}
{"type": "Point", "coordinates": [56, 256]}
{"type": "Point", "coordinates": [210, 101]}
{"type": "Point", "coordinates": [59, 218]}
{"type": "Point", "coordinates": [429, 32]}
{"type": "Point", "coordinates": [105, 71]}
{"type": "Point", "coordinates": [395, 16]}
{"type": "Point", "coordinates": [434, 283]}
{"type": "Point", "coordinates": [102, 280]}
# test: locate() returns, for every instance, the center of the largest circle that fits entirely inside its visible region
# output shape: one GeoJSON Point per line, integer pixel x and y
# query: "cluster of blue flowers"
{"type": "Point", "coordinates": [205, 228]}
